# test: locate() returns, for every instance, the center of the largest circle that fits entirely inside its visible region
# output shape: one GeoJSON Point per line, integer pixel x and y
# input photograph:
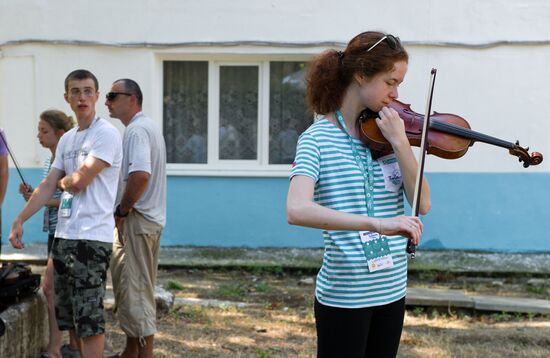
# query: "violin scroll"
{"type": "Point", "coordinates": [534, 158]}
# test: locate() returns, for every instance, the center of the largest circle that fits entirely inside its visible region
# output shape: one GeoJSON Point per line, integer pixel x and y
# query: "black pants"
{"type": "Point", "coordinates": [359, 332]}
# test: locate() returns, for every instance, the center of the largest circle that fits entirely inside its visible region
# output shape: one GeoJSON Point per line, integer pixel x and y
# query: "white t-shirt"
{"type": "Point", "coordinates": [145, 151]}
{"type": "Point", "coordinates": [92, 208]}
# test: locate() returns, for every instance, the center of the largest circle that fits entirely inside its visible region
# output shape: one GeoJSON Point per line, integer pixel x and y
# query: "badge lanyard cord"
{"type": "Point", "coordinates": [368, 176]}
{"type": "Point", "coordinates": [74, 153]}
{"type": "Point", "coordinates": [376, 251]}
{"type": "Point", "coordinates": [411, 248]}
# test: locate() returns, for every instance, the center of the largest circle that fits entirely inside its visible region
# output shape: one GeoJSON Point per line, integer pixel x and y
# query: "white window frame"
{"type": "Point", "coordinates": [258, 167]}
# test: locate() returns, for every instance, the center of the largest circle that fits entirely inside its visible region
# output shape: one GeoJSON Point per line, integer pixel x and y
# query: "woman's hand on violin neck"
{"type": "Point", "coordinates": [392, 127]}
{"type": "Point", "coordinates": [408, 226]}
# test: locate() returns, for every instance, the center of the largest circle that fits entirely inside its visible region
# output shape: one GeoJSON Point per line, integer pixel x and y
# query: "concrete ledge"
{"type": "Point", "coordinates": [311, 258]}
{"type": "Point", "coordinates": [26, 328]}
{"type": "Point", "coordinates": [438, 297]}
{"type": "Point", "coordinates": [511, 304]}
{"type": "Point", "coordinates": [457, 299]}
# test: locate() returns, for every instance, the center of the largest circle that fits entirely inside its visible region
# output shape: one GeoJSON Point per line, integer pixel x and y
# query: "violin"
{"type": "Point", "coordinates": [449, 135]}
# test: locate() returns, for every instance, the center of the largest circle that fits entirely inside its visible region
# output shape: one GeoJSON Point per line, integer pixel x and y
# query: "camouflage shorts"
{"type": "Point", "coordinates": [80, 274]}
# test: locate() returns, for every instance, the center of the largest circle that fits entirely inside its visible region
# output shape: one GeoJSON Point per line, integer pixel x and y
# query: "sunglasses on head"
{"type": "Point", "coordinates": [111, 96]}
{"type": "Point", "coordinates": [392, 41]}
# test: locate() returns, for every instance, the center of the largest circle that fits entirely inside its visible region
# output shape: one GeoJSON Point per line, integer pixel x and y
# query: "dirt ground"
{"type": "Point", "coordinates": [277, 320]}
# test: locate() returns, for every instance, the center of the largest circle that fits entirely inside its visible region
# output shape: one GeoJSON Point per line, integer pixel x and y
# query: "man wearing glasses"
{"type": "Point", "coordinates": [140, 217]}
{"type": "Point", "coordinates": [86, 167]}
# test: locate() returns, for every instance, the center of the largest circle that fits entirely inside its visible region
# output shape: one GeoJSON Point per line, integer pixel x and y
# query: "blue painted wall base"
{"type": "Point", "coordinates": [470, 211]}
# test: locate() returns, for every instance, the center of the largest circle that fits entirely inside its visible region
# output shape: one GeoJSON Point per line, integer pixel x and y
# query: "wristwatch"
{"type": "Point", "coordinates": [119, 214]}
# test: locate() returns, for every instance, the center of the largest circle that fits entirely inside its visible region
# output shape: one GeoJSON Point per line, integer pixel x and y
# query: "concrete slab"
{"type": "Point", "coordinates": [210, 303]}
{"type": "Point", "coordinates": [511, 304]}
{"type": "Point", "coordinates": [457, 299]}
{"type": "Point", "coordinates": [438, 297]}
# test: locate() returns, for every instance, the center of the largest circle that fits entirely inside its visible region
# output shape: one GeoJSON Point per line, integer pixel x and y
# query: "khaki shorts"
{"type": "Point", "coordinates": [134, 272]}
{"type": "Point", "coordinates": [80, 274]}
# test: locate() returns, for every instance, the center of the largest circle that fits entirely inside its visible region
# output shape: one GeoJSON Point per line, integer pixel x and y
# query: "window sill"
{"type": "Point", "coordinates": [275, 171]}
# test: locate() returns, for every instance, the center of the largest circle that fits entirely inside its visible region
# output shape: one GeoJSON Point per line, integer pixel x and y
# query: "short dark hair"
{"type": "Point", "coordinates": [80, 75]}
{"type": "Point", "coordinates": [131, 86]}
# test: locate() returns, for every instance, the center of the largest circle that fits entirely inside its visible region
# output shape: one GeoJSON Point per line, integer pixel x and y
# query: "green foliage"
{"type": "Point", "coordinates": [263, 353]}
{"type": "Point", "coordinates": [195, 314]}
{"type": "Point", "coordinates": [434, 313]}
{"type": "Point", "coordinates": [262, 287]}
{"type": "Point", "coordinates": [538, 290]}
{"type": "Point", "coordinates": [231, 291]}
{"type": "Point", "coordinates": [174, 285]}
{"type": "Point", "coordinates": [501, 317]}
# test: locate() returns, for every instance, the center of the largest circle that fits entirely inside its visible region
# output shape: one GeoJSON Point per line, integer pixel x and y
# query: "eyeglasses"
{"type": "Point", "coordinates": [392, 41]}
{"type": "Point", "coordinates": [111, 96]}
{"type": "Point", "coordinates": [76, 93]}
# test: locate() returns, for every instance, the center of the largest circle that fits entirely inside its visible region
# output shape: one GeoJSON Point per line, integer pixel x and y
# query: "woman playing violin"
{"type": "Point", "coordinates": [338, 186]}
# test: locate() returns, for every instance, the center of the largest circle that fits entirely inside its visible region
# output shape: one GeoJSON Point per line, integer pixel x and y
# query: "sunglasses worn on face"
{"type": "Point", "coordinates": [392, 41]}
{"type": "Point", "coordinates": [111, 96]}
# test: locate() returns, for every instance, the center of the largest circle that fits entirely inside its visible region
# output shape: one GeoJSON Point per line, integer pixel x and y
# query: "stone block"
{"type": "Point", "coordinates": [26, 324]}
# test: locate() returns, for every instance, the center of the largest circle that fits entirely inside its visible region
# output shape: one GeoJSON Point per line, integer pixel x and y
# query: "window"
{"type": "Point", "coordinates": [233, 118]}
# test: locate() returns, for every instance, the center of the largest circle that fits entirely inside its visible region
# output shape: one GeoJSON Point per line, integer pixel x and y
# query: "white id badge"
{"type": "Point", "coordinates": [368, 236]}
{"type": "Point", "coordinates": [66, 204]}
{"type": "Point", "coordinates": [380, 263]}
{"type": "Point", "coordinates": [377, 250]}
{"type": "Point", "coordinates": [392, 174]}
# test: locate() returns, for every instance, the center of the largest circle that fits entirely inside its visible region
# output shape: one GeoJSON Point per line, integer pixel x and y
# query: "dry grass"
{"type": "Point", "coordinates": [195, 331]}
{"type": "Point", "coordinates": [474, 337]}
{"type": "Point", "coordinates": [278, 322]}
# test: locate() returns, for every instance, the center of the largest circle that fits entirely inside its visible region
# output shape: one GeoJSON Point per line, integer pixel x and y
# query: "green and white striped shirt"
{"type": "Point", "coordinates": [324, 153]}
{"type": "Point", "coordinates": [50, 223]}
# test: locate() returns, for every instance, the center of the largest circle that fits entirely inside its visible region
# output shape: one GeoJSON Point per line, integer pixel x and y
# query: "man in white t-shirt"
{"type": "Point", "coordinates": [140, 217]}
{"type": "Point", "coordinates": [86, 167]}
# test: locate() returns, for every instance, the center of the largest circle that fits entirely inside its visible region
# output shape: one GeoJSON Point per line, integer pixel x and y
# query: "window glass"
{"type": "Point", "coordinates": [238, 112]}
{"type": "Point", "coordinates": [288, 115]}
{"type": "Point", "coordinates": [185, 110]}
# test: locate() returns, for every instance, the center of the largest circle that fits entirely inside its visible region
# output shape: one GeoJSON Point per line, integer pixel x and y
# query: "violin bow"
{"type": "Point", "coordinates": [14, 160]}
{"type": "Point", "coordinates": [411, 248]}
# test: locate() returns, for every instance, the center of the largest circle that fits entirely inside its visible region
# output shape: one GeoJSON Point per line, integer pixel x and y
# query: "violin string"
{"type": "Point", "coordinates": [468, 133]}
